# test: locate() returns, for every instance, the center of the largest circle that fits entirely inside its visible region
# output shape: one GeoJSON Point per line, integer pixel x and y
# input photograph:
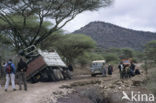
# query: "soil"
{"type": "Point", "coordinates": [40, 92]}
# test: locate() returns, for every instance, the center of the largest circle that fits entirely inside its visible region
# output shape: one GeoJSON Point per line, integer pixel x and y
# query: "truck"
{"type": "Point", "coordinates": [96, 67]}
{"type": "Point", "coordinates": [126, 61]}
{"type": "Point", "coordinates": [43, 65]}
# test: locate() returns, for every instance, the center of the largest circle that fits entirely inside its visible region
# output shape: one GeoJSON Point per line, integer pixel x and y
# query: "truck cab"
{"type": "Point", "coordinates": [96, 67]}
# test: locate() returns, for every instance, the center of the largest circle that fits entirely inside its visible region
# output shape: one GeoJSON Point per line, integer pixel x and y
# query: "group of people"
{"type": "Point", "coordinates": [106, 70]}
{"type": "Point", "coordinates": [11, 72]}
{"type": "Point", "coordinates": [127, 71]}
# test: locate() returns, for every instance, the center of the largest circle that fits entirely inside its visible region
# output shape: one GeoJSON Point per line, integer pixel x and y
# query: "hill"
{"type": "Point", "coordinates": [108, 35]}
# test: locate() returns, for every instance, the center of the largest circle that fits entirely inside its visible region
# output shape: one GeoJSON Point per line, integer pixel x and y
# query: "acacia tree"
{"type": "Point", "coordinates": [127, 53]}
{"type": "Point", "coordinates": [150, 50]}
{"type": "Point", "coordinates": [59, 12]}
{"type": "Point", "coordinates": [72, 46]}
{"type": "Point", "coordinates": [9, 37]}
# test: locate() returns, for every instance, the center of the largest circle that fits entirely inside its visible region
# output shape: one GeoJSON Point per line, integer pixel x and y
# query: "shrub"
{"type": "Point", "coordinates": [151, 83]}
{"type": "Point", "coordinates": [109, 57]}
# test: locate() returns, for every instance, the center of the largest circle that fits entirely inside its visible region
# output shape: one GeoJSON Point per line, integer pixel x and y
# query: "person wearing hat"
{"type": "Point", "coordinates": [110, 69]}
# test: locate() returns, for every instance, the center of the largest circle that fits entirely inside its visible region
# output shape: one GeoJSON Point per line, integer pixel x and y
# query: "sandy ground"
{"type": "Point", "coordinates": [39, 92]}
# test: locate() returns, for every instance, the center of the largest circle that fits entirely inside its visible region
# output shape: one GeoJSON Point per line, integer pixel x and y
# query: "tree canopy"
{"type": "Point", "coordinates": [18, 18]}
{"type": "Point", "coordinates": [127, 53]}
{"type": "Point", "coordinates": [150, 50]}
{"type": "Point", "coordinates": [73, 46]}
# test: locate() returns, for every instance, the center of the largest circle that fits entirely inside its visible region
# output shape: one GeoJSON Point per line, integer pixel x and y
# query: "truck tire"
{"type": "Point", "coordinates": [34, 79]}
{"type": "Point", "coordinates": [56, 75]}
{"type": "Point", "coordinates": [53, 76]}
{"type": "Point", "coordinates": [61, 75]}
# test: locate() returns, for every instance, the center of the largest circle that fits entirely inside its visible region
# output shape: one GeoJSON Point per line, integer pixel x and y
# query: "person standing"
{"type": "Point", "coordinates": [66, 72]}
{"type": "Point", "coordinates": [69, 70]}
{"type": "Point", "coordinates": [110, 69]}
{"type": "Point", "coordinates": [3, 66]}
{"type": "Point", "coordinates": [70, 67]}
{"type": "Point", "coordinates": [103, 70]}
{"type": "Point", "coordinates": [10, 73]}
{"type": "Point", "coordinates": [21, 69]}
{"type": "Point", "coordinates": [3, 69]}
{"type": "Point", "coordinates": [132, 69]}
{"type": "Point", "coordinates": [121, 67]}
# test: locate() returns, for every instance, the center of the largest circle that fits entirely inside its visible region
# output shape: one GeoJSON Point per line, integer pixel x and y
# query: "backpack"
{"type": "Point", "coordinates": [9, 69]}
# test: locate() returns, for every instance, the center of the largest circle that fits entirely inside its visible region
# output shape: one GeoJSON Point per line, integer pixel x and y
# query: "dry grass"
{"type": "Point", "coordinates": [82, 71]}
{"type": "Point", "coordinates": [151, 82]}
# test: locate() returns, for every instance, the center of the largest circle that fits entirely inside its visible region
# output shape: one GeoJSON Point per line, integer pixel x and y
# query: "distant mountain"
{"type": "Point", "coordinates": [108, 35]}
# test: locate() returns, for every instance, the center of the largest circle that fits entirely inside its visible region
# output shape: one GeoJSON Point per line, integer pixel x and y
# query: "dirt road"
{"type": "Point", "coordinates": [42, 92]}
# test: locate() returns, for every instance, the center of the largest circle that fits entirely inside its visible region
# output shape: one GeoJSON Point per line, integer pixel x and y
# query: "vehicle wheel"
{"type": "Point", "coordinates": [53, 75]}
{"type": "Point", "coordinates": [34, 80]}
{"type": "Point", "coordinates": [56, 75]}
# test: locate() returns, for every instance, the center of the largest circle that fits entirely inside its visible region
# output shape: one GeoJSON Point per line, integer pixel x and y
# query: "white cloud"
{"type": "Point", "coordinates": [134, 14]}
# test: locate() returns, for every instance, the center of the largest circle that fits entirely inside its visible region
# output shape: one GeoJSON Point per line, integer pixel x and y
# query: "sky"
{"type": "Point", "coordinates": [132, 14]}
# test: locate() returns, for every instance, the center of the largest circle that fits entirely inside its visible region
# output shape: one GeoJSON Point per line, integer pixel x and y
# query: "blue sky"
{"type": "Point", "coordinates": [133, 14]}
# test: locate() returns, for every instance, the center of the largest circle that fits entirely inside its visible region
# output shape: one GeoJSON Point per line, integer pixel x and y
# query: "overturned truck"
{"type": "Point", "coordinates": [44, 66]}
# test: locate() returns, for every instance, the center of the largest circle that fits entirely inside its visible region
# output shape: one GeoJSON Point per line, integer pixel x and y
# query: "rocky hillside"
{"type": "Point", "coordinates": [108, 35]}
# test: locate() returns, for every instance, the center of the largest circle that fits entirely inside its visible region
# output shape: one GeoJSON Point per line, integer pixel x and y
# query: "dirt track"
{"type": "Point", "coordinates": [39, 92]}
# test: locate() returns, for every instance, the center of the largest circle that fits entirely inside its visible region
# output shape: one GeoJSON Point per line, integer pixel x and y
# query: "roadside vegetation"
{"type": "Point", "coordinates": [150, 65]}
{"type": "Point", "coordinates": [151, 81]}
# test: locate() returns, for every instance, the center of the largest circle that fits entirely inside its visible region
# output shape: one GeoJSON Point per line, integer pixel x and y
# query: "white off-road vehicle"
{"type": "Point", "coordinates": [96, 67]}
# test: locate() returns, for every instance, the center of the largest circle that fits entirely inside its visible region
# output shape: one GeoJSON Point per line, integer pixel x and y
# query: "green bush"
{"type": "Point", "coordinates": [83, 61]}
{"type": "Point", "coordinates": [72, 46]}
{"type": "Point", "coordinates": [150, 50]}
{"type": "Point", "coordinates": [88, 57]}
{"type": "Point", "coordinates": [127, 53]}
{"type": "Point", "coordinates": [109, 57]}
{"type": "Point", "coordinates": [139, 56]}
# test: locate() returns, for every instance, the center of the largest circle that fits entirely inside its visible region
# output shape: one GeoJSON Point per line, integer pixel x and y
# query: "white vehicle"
{"type": "Point", "coordinates": [96, 67]}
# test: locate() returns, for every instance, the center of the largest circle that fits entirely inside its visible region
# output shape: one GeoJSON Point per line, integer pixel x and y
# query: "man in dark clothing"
{"type": "Point", "coordinates": [110, 69]}
{"type": "Point", "coordinates": [132, 69]}
{"type": "Point", "coordinates": [70, 67]}
{"type": "Point", "coordinates": [126, 72]}
{"type": "Point", "coordinates": [66, 72]}
{"type": "Point", "coordinates": [2, 70]}
{"type": "Point", "coordinates": [21, 69]}
{"type": "Point", "coordinates": [121, 67]}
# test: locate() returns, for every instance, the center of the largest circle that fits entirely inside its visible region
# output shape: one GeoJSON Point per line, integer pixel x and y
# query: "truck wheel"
{"type": "Point", "coordinates": [53, 75]}
{"type": "Point", "coordinates": [56, 75]}
{"type": "Point", "coordinates": [61, 75]}
{"type": "Point", "coordinates": [34, 80]}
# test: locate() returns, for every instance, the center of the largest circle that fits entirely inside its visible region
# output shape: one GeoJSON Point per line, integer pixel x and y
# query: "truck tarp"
{"type": "Point", "coordinates": [52, 58]}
